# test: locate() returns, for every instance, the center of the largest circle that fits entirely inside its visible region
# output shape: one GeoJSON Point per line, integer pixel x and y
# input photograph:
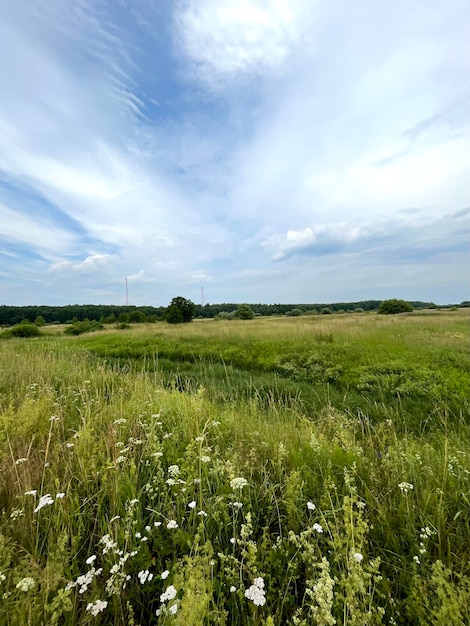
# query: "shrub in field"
{"type": "Point", "coordinates": [294, 313]}
{"type": "Point", "coordinates": [78, 328]}
{"type": "Point", "coordinates": [244, 312]}
{"type": "Point", "coordinates": [390, 307]}
{"type": "Point", "coordinates": [23, 330]}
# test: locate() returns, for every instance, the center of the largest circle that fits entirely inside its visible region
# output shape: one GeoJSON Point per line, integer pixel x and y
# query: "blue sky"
{"type": "Point", "coordinates": [266, 150]}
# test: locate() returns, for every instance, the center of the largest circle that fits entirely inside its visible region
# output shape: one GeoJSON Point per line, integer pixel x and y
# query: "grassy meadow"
{"type": "Point", "coordinates": [279, 471]}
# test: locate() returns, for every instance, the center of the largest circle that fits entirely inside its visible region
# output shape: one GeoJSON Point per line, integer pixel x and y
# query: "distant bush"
{"type": "Point", "coordinates": [225, 315]}
{"type": "Point", "coordinates": [359, 309]}
{"type": "Point", "coordinates": [326, 311]}
{"type": "Point", "coordinates": [244, 312]}
{"type": "Point", "coordinates": [23, 330]}
{"type": "Point", "coordinates": [294, 313]}
{"type": "Point", "coordinates": [390, 307]}
{"type": "Point", "coordinates": [78, 328]}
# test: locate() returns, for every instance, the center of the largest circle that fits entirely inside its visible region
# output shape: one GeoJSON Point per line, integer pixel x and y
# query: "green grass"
{"type": "Point", "coordinates": [148, 426]}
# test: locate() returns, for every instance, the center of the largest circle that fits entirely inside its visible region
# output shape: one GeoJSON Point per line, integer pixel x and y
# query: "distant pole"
{"type": "Point", "coordinates": [202, 296]}
{"type": "Point", "coordinates": [127, 294]}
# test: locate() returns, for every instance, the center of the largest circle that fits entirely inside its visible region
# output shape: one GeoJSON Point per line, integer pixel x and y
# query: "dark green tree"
{"type": "Point", "coordinates": [244, 312]}
{"type": "Point", "coordinates": [180, 310]}
{"type": "Point", "coordinates": [137, 317]}
{"type": "Point", "coordinates": [390, 307]}
{"type": "Point", "coordinates": [40, 321]}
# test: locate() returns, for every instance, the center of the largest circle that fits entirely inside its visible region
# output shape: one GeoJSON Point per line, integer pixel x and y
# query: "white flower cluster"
{"type": "Point", "coordinates": [256, 592]}
{"type": "Point", "coordinates": [238, 483]}
{"type": "Point", "coordinates": [45, 500]}
{"type": "Point", "coordinates": [144, 575]}
{"type": "Point", "coordinates": [167, 596]}
{"type": "Point", "coordinates": [96, 607]}
{"type": "Point", "coordinates": [25, 584]}
{"type": "Point", "coordinates": [405, 487]}
{"type": "Point", "coordinates": [108, 543]}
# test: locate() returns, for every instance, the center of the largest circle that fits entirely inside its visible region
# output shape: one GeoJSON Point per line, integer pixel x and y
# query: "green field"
{"type": "Point", "coordinates": [310, 470]}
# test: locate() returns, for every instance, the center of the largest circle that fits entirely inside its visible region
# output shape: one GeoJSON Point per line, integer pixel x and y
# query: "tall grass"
{"type": "Point", "coordinates": [126, 499]}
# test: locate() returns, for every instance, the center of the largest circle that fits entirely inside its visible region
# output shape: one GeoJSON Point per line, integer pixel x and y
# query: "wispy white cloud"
{"type": "Point", "coordinates": [225, 40]}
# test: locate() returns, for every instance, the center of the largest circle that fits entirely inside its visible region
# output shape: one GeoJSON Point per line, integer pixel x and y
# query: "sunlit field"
{"type": "Point", "coordinates": [304, 471]}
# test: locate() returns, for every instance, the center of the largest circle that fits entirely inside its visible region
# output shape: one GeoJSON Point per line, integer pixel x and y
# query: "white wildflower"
{"type": "Point", "coordinates": [238, 483]}
{"type": "Point", "coordinates": [25, 584]}
{"type": "Point", "coordinates": [205, 459]}
{"type": "Point", "coordinates": [174, 471]}
{"type": "Point", "coordinates": [233, 589]}
{"type": "Point", "coordinates": [318, 528]}
{"type": "Point", "coordinates": [237, 505]}
{"type": "Point", "coordinates": [60, 495]}
{"type": "Point", "coordinates": [108, 543]}
{"type": "Point", "coordinates": [33, 492]}
{"type": "Point", "coordinates": [416, 560]}
{"type": "Point", "coordinates": [22, 460]}
{"type": "Point", "coordinates": [202, 514]}
{"type": "Point", "coordinates": [164, 575]}
{"type": "Point", "coordinates": [172, 524]}
{"type": "Point", "coordinates": [311, 506]}
{"type": "Point", "coordinates": [96, 607]}
{"type": "Point", "coordinates": [405, 487]}
{"type": "Point", "coordinates": [357, 556]}
{"type": "Point", "coordinates": [192, 505]}
{"type": "Point", "coordinates": [144, 575]}
{"type": "Point", "coordinates": [256, 592]}
{"type": "Point", "coordinates": [173, 608]}
{"type": "Point", "coordinates": [90, 559]}
{"type": "Point", "coordinates": [45, 500]}
{"type": "Point", "coordinates": [169, 594]}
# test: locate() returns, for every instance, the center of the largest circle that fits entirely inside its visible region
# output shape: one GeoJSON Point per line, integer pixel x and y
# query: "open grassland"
{"type": "Point", "coordinates": [311, 470]}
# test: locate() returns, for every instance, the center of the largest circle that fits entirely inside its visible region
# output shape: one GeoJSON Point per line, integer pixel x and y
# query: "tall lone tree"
{"type": "Point", "coordinates": [390, 307]}
{"type": "Point", "coordinates": [180, 310]}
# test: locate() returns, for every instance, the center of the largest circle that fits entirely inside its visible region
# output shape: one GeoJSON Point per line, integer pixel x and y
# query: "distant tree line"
{"type": "Point", "coordinates": [109, 314]}
{"type": "Point", "coordinates": [106, 314]}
